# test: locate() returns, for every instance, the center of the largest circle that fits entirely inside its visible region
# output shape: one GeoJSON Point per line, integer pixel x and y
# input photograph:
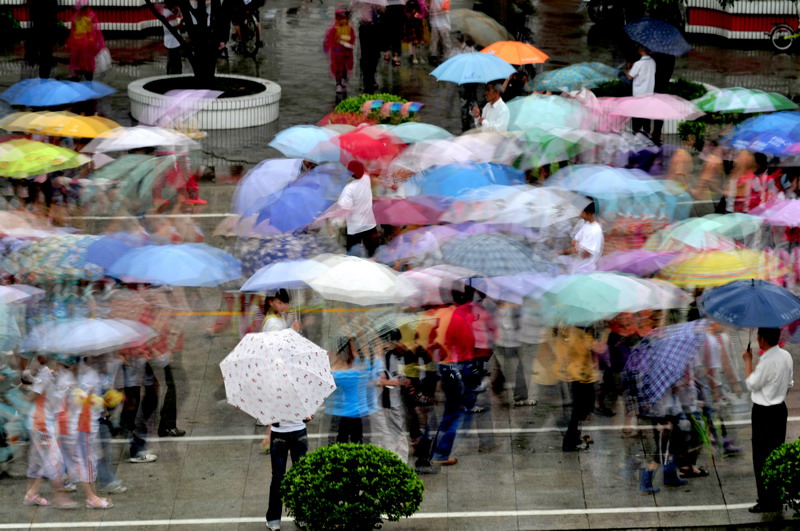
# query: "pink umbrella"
{"type": "Point", "coordinates": [785, 213]}
{"type": "Point", "coordinates": [180, 106]}
{"type": "Point", "coordinates": [411, 211]}
{"type": "Point", "coordinates": [652, 106]}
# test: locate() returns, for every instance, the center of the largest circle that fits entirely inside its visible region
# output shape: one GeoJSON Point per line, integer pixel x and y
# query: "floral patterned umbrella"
{"type": "Point", "coordinates": [256, 253]}
{"type": "Point", "coordinates": [61, 257]}
{"type": "Point", "coordinates": [277, 376]}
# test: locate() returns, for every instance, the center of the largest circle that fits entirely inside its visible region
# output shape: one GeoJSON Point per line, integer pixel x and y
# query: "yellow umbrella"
{"type": "Point", "coordinates": [22, 158]}
{"type": "Point", "coordinates": [715, 268]}
{"type": "Point", "coordinates": [19, 121]}
{"type": "Point", "coordinates": [62, 123]}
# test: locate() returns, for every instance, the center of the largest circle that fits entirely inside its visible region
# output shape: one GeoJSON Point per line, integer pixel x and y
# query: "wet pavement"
{"type": "Point", "coordinates": [217, 478]}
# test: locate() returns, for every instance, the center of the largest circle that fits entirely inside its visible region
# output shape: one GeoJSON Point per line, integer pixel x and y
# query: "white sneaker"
{"type": "Point", "coordinates": [68, 487]}
{"type": "Point", "coordinates": [274, 525]}
{"type": "Point", "coordinates": [114, 488]}
{"type": "Point", "coordinates": [144, 458]}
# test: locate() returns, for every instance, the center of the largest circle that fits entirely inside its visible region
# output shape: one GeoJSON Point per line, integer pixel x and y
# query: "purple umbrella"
{"type": "Point", "coordinates": [639, 262]}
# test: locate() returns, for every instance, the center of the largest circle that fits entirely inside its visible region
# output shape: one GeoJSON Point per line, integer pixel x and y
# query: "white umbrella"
{"type": "Point", "coordinates": [141, 136]}
{"type": "Point", "coordinates": [277, 376]}
{"type": "Point", "coordinates": [86, 336]}
{"type": "Point", "coordinates": [540, 207]}
{"type": "Point", "coordinates": [435, 283]}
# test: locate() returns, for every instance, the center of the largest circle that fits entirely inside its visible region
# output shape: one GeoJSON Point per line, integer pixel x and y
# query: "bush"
{"type": "Point", "coordinates": [353, 106]}
{"type": "Point", "coordinates": [350, 487]}
{"type": "Point", "coordinates": [781, 473]}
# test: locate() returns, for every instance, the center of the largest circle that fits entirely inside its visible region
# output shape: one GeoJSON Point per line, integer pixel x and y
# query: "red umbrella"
{"type": "Point", "coordinates": [368, 145]}
{"type": "Point", "coordinates": [396, 211]}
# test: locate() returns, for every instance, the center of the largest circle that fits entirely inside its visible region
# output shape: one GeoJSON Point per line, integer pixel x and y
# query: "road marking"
{"type": "Point", "coordinates": [497, 431]}
{"type": "Point", "coordinates": [417, 516]}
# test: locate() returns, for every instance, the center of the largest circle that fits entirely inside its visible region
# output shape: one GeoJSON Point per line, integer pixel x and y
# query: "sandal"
{"type": "Point", "coordinates": [35, 500]}
{"type": "Point", "coordinates": [99, 503]}
{"type": "Point", "coordinates": [523, 403]}
{"type": "Point", "coordinates": [587, 439]}
{"type": "Point", "coordinates": [691, 473]}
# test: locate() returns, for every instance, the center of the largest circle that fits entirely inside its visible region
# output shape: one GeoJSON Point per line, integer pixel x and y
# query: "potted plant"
{"type": "Point", "coordinates": [781, 474]}
{"type": "Point", "coordinates": [350, 487]}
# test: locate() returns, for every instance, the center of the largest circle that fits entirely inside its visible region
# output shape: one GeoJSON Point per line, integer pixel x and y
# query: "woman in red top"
{"type": "Point", "coordinates": [339, 43]}
{"type": "Point", "coordinates": [84, 42]}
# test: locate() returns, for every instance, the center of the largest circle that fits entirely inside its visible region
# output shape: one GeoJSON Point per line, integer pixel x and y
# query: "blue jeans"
{"type": "Point", "coordinates": [105, 461]}
{"type": "Point", "coordinates": [281, 445]}
{"type": "Point", "coordinates": [453, 387]}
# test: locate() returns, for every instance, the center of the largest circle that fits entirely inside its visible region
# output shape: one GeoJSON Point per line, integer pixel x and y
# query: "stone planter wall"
{"type": "Point", "coordinates": [221, 113]}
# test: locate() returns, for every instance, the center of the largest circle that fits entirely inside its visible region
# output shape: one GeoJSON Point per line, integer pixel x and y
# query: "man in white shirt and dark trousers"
{"type": "Point", "coordinates": [643, 76]}
{"type": "Point", "coordinates": [356, 199]}
{"type": "Point", "coordinates": [768, 384]}
{"type": "Point", "coordinates": [495, 115]}
{"type": "Point", "coordinates": [588, 242]}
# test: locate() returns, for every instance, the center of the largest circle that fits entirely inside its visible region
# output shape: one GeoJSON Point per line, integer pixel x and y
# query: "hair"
{"type": "Point", "coordinates": [393, 335]}
{"type": "Point", "coordinates": [590, 208]}
{"type": "Point", "coordinates": [356, 168]}
{"type": "Point", "coordinates": [497, 87]}
{"type": "Point", "coordinates": [280, 295]}
{"type": "Point", "coordinates": [771, 336]}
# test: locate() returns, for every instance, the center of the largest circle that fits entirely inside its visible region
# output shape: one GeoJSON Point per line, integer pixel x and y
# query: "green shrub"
{"type": "Point", "coordinates": [353, 106]}
{"type": "Point", "coordinates": [781, 473]}
{"type": "Point", "coordinates": [688, 90]}
{"type": "Point", "coordinates": [616, 89]}
{"type": "Point", "coordinates": [350, 487]}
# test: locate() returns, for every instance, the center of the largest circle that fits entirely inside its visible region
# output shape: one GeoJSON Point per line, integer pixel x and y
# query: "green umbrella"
{"type": "Point", "coordinates": [546, 112]}
{"type": "Point", "coordinates": [742, 100]}
{"type": "Point", "coordinates": [713, 231]}
{"type": "Point", "coordinates": [545, 146]}
{"type": "Point", "coordinates": [21, 158]}
{"type": "Point", "coordinates": [411, 132]}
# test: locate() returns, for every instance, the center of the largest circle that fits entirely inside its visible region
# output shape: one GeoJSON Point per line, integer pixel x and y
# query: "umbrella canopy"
{"type": "Point", "coordinates": [61, 123]}
{"type": "Point", "coordinates": [277, 376]}
{"type": "Point", "coordinates": [86, 336]}
{"type": "Point", "coordinates": [554, 144]}
{"type": "Point", "coordinates": [454, 179]}
{"type": "Point", "coordinates": [743, 100]}
{"type": "Point", "coordinates": [301, 140]}
{"type": "Point", "coordinates": [653, 107]}
{"type": "Point", "coordinates": [482, 28]}
{"type": "Point", "coordinates": [516, 53]}
{"type": "Point", "coordinates": [489, 254]}
{"type": "Point", "coordinates": [422, 155]}
{"type": "Point", "coordinates": [715, 268]}
{"type": "Point", "coordinates": [58, 257]}
{"type": "Point", "coordinates": [473, 67]}
{"type": "Point", "coordinates": [361, 282]}
{"type": "Point", "coordinates": [434, 284]}
{"type": "Point", "coordinates": [36, 92]}
{"type": "Point", "coordinates": [751, 304]}
{"type": "Point", "coordinates": [289, 274]}
{"type": "Point", "coordinates": [412, 132]}
{"type": "Point", "coordinates": [262, 184]}
{"type": "Point", "coordinates": [775, 134]}
{"type": "Point", "coordinates": [545, 112]}
{"type": "Point", "coordinates": [713, 231]}
{"type": "Point", "coordinates": [258, 252]}
{"type": "Point", "coordinates": [574, 77]}
{"type": "Point", "coordinates": [409, 211]}
{"type": "Point", "coordinates": [637, 262]}
{"type": "Point", "coordinates": [141, 136]}
{"type": "Point", "coordinates": [539, 207]}
{"type": "Point", "coordinates": [784, 213]}
{"type": "Point", "coordinates": [187, 264]}
{"type": "Point", "coordinates": [22, 158]}
{"type": "Point", "coordinates": [658, 36]}
{"type": "Point", "coordinates": [107, 250]}
{"type": "Point", "coordinates": [490, 146]}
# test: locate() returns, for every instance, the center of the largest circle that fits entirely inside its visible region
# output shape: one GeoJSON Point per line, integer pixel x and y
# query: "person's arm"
{"type": "Point", "coordinates": [634, 71]}
{"type": "Point", "coordinates": [346, 198]}
{"type": "Point", "coordinates": [753, 378]}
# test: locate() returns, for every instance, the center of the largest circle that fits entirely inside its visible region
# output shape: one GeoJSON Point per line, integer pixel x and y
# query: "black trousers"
{"type": "Point", "coordinates": [174, 61]}
{"type": "Point", "coordinates": [769, 432]}
{"type": "Point", "coordinates": [368, 238]}
{"type": "Point", "coordinates": [641, 125]}
{"type": "Point", "coordinates": [369, 38]}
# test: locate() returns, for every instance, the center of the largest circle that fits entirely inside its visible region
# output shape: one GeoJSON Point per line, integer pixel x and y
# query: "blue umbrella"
{"type": "Point", "coordinates": [473, 67]}
{"type": "Point", "coordinates": [256, 253]}
{"type": "Point", "coordinates": [101, 89]}
{"type": "Point", "coordinates": [105, 251]}
{"type": "Point", "coordinates": [301, 140]}
{"type": "Point", "coordinates": [455, 179]}
{"type": "Point", "coordinates": [38, 92]}
{"type": "Point", "coordinates": [188, 264]}
{"type": "Point", "coordinates": [751, 304]}
{"type": "Point", "coordinates": [777, 134]}
{"type": "Point", "coordinates": [658, 36]}
{"type": "Point", "coordinates": [296, 207]}
{"type": "Point", "coordinates": [573, 77]}
{"type": "Point", "coordinates": [329, 178]}
{"type": "Point", "coordinates": [263, 184]}
{"type": "Point", "coordinates": [288, 274]}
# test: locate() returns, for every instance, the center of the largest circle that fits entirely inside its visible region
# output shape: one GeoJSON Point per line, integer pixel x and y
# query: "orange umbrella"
{"type": "Point", "coordinates": [516, 53]}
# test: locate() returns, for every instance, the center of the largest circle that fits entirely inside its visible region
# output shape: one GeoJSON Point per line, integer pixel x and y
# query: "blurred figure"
{"type": "Point", "coordinates": [339, 43]}
{"type": "Point", "coordinates": [356, 199]}
{"type": "Point", "coordinates": [392, 22]}
{"type": "Point", "coordinates": [84, 42]}
{"type": "Point", "coordinates": [172, 12]}
{"type": "Point", "coordinates": [369, 40]}
{"type": "Point", "coordinates": [42, 35]}
{"type": "Point", "coordinates": [643, 76]}
{"type": "Point", "coordinates": [416, 12]}
{"type": "Point", "coordinates": [393, 385]}
{"type": "Point", "coordinates": [587, 243]}
{"type": "Point", "coordinates": [439, 23]}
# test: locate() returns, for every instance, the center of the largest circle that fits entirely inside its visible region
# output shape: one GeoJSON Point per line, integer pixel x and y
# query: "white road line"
{"type": "Point", "coordinates": [496, 431]}
{"type": "Point", "coordinates": [418, 516]}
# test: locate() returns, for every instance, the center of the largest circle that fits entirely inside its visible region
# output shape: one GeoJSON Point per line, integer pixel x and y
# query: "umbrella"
{"type": "Point", "coordinates": [61, 123]}
{"type": "Point", "coordinates": [289, 274]}
{"type": "Point", "coordinates": [715, 268]}
{"type": "Point", "coordinates": [712, 231]}
{"type": "Point", "coordinates": [361, 282]}
{"type": "Point", "coordinates": [490, 146]}
{"type": "Point", "coordinates": [86, 336]}
{"type": "Point", "coordinates": [106, 250]}
{"type": "Point", "coordinates": [473, 67]}
{"type": "Point", "coordinates": [101, 89]}
{"type": "Point", "coordinates": [541, 207]}
{"type": "Point", "coordinates": [554, 144]}
{"type": "Point", "coordinates": [489, 254]}
{"type": "Point", "coordinates": [295, 208]}
{"type": "Point", "coordinates": [22, 158]}
{"type": "Point", "coordinates": [545, 112]}
{"type": "Point", "coordinates": [418, 210]}
{"type": "Point", "coordinates": [187, 264]}
{"type": "Point", "coordinates": [454, 179]}
{"type": "Point", "coordinates": [483, 29]}
{"type": "Point", "coordinates": [516, 53]}
{"type": "Point", "coordinates": [179, 107]}
{"type": "Point", "coordinates": [58, 257]}
{"type": "Point", "coordinates": [258, 252]}
{"type": "Point", "coordinates": [743, 100]}
{"type": "Point", "coordinates": [262, 184]}
{"type": "Point", "coordinates": [638, 262]}
{"type": "Point", "coordinates": [412, 132]}
{"type": "Point", "coordinates": [141, 136]}
{"type": "Point", "coordinates": [574, 77]}
{"type": "Point", "coordinates": [653, 107]}
{"type": "Point", "coordinates": [277, 376]}
{"type": "Point", "coordinates": [750, 304]}
{"type": "Point", "coordinates": [775, 134]}
{"type": "Point", "coordinates": [658, 36]}
{"type": "Point", "coordinates": [422, 155]}
{"type": "Point", "coordinates": [784, 213]}
{"type": "Point", "coordinates": [301, 140]}
{"type": "Point", "coordinates": [36, 92]}
{"type": "Point", "coordinates": [366, 145]}
{"type": "Point", "coordinates": [435, 283]}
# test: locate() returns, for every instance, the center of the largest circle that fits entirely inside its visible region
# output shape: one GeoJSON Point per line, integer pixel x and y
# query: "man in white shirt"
{"type": "Point", "coordinates": [495, 115]}
{"type": "Point", "coordinates": [643, 75]}
{"type": "Point", "coordinates": [587, 244]}
{"type": "Point", "coordinates": [173, 15]}
{"type": "Point", "coordinates": [356, 199]}
{"type": "Point", "coordinates": [768, 384]}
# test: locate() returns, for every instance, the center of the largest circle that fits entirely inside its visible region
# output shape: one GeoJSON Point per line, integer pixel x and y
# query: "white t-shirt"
{"type": "Point", "coordinates": [356, 198]}
{"type": "Point", "coordinates": [772, 378]}
{"type": "Point", "coordinates": [590, 239]}
{"type": "Point", "coordinates": [274, 323]}
{"type": "Point", "coordinates": [643, 73]}
{"type": "Point", "coordinates": [495, 116]}
{"type": "Point", "coordinates": [289, 426]}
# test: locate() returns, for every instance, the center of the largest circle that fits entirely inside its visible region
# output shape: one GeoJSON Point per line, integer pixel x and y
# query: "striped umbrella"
{"type": "Point", "coordinates": [743, 100]}
{"type": "Point", "coordinates": [715, 268]}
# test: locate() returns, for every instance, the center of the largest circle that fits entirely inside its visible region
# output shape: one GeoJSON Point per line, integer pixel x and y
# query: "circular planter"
{"type": "Point", "coordinates": [221, 113]}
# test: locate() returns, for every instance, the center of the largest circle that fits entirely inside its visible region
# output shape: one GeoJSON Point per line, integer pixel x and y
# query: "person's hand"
{"type": "Point", "coordinates": [748, 354]}
{"type": "Point", "coordinates": [296, 326]}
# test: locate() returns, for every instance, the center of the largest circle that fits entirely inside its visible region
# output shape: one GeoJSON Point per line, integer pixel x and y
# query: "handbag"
{"type": "Point", "coordinates": [102, 61]}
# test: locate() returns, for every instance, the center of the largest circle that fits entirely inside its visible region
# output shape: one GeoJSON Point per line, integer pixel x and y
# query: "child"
{"type": "Point", "coordinates": [84, 42]}
{"type": "Point", "coordinates": [416, 13]}
{"type": "Point", "coordinates": [339, 43]}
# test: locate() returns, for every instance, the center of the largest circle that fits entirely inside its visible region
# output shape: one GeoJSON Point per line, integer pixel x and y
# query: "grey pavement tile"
{"type": "Point", "coordinates": [530, 476]}
{"type": "Point", "coordinates": [219, 451]}
{"type": "Point", "coordinates": [434, 501]}
{"type": "Point", "coordinates": [624, 521]}
{"type": "Point", "coordinates": [214, 470]}
{"type": "Point", "coordinates": [162, 470]}
{"type": "Point", "coordinates": [126, 509]}
{"type": "Point", "coordinates": [568, 521]}
{"type": "Point", "coordinates": [212, 488]}
{"type": "Point", "coordinates": [420, 524]}
{"type": "Point", "coordinates": [693, 518]}
{"type": "Point", "coordinates": [206, 527]}
{"type": "Point", "coordinates": [158, 489]}
{"type": "Point", "coordinates": [743, 517]}
{"type": "Point", "coordinates": [483, 523]}
{"type": "Point", "coordinates": [253, 506]}
{"type": "Point", "coordinates": [546, 497]}
{"type": "Point", "coordinates": [619, 497]}
{"type": "Point", "coordinates": [469, 492]}
{"type": "Point", "coordinates": [81, 514]}
{"type": "Point", "coordinates": [207, 508]}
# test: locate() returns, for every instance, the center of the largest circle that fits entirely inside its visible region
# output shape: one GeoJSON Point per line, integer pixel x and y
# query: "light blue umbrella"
{"type": "Point", "coordinates": [300, 140]}
{"type": "Point", "coordinates": [456, 179]}
{"type": "Point", "coordinates": [263, 184]}
{"type": "Point", "coordinates": [101, 89]}
{"type": "Point", "coordinates": [574, 77]}
{"type": "Point", "coordinates": [187, 264]}
{"type": "Point", "coordinates": [546, 112]}
{"type": "Point", "coordinates": [295, 207]}
{"type": "Point", "coordinates": [38, 92]}
{"type": "Point", "coordinates": [473, 67]}
{"type": "Point", "coordinates": [289, 274]}
{"type": "Point", "coordinates": [411, 132]}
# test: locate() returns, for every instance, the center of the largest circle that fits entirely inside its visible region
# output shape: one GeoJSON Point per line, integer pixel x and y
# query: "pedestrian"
{"type": "Point", "coordinates": [42, 35]}
{"type": "Point", "coordinates": [85, 41]}
{"type": "Point", "coordinates": [414, 29]}
{"type": "Point", "coordinates": [393, 384]}
{"type": "Point", "coordinates": [768, 384]}
{"type": "Point", "coordinates": [172, 12]}
{"type": "Point", "coordinates": [356, 200]}
{"type": "Point", "coordinates": [439, 23]}
{"type": "Point", "coordinates": [643, 76]}
{"type": "Point", "coordinates": [369, 39]}
{"type": "Point", "coordinates": [340, 40]}
{"type": "Point", "coordinates": [392, 24]}
{"type": "Point", "coordinates": [588, 241]}
{"type": "Point", "coordinates": [495, 115]}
